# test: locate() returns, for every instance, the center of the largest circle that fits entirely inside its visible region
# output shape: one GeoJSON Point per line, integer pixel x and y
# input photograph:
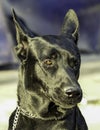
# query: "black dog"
{"type": "Point", "coordinates": [48, 90]}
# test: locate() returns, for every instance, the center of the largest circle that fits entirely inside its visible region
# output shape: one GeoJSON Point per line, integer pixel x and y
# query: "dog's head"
{"type": "Point", "coordinates": [50, 66]}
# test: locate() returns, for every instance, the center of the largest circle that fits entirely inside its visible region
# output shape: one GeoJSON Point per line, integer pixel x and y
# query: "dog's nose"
{"type": "Point", "coordinates": [73, 93]}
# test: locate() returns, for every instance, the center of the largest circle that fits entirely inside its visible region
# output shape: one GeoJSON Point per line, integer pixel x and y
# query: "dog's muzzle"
{"type": "Point", "coordinates": [67, 97]}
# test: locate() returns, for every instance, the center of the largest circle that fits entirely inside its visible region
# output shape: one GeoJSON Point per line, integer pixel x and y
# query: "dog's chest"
{"type": "Point", "coordinates": [53, 125]}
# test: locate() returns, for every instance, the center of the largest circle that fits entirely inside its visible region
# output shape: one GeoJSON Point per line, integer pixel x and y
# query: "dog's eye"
{"type": "Point", "coordinates": [73, 62]}
{"type": "Point", "coordinates": [48, 62]}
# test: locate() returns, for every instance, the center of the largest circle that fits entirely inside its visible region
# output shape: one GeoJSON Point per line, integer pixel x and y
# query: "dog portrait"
{"type": "Point", "coordinates": [48, 91]}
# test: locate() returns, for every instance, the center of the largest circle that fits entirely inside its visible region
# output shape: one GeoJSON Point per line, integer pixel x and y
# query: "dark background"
{"type": "Point", "coordinates": [46, 17]}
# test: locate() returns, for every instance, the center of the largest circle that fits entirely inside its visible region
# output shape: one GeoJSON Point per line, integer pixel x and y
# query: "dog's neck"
{"type": "Point", "coordinates": [30, 102]}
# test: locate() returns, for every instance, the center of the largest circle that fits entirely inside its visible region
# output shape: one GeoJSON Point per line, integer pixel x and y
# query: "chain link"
{"type": "Point", "coordinates": [23, 112]}
{"type": "Point", "coordinates": [16, 118]}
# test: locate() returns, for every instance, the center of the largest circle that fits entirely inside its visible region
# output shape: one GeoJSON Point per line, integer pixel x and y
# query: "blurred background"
{"type": "Point", "coordinates": [45, 17]}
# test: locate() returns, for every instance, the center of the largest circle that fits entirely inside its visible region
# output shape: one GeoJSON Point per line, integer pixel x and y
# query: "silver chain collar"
{"type": "Point", "coordinates": [15, 122]}
{"type": "Point", "coordinates": [19, 111]}
{"type": "Point", "coordinates": [28, 114]}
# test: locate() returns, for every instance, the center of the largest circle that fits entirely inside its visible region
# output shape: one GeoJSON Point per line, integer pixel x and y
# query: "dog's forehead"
{"type": "Point", "coordinates": [46, 43]}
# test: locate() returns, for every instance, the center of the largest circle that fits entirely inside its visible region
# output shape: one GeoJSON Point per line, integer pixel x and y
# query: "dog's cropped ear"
{"type": "Point", "coordinates": [22, 38]}
{"type": "Point", "coordinates": [70, 25]}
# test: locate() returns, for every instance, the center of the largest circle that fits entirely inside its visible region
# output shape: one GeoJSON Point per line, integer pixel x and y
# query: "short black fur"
{"type": "Point", "coordinates": [48, 79]}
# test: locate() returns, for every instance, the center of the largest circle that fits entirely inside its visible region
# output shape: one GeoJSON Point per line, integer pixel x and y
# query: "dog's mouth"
{"type": "Point", "coordinates": [52, 106]}
{"type": "Point", "coordinates": [62, 104]}
{"type": "Point", "coordinates": [57, 111]}
{"type": "Point", "coordinates": [56, 107]}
